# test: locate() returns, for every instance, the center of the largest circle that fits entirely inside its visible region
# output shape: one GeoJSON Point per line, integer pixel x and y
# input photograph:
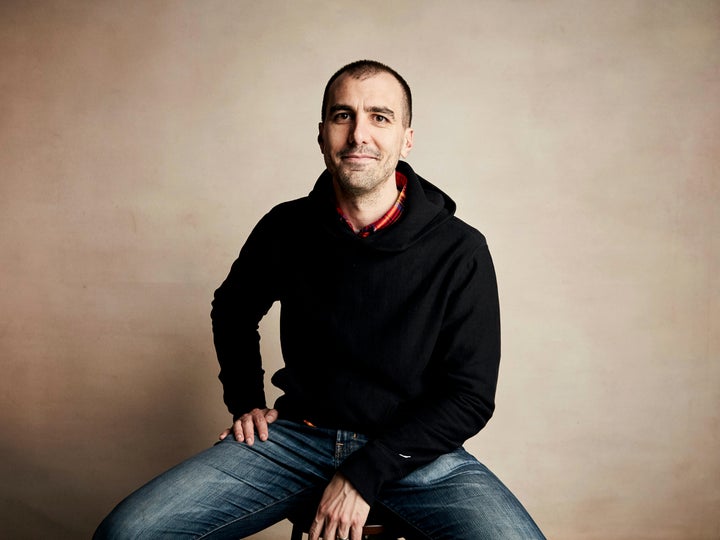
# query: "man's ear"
{"type": "Point", "coordinates": [407, 142]}
{"type": "Point", "coordinates": [320, 139]}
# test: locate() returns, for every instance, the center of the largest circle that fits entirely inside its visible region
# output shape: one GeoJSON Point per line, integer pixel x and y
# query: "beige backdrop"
{"type": "Point", "coordinates": [140, 142]}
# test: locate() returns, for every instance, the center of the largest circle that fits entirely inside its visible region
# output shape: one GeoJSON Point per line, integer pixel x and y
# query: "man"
{"type": "Point", "coordinates": [390, 339]}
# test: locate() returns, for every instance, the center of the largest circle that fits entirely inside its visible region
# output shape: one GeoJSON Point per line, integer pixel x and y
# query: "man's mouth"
{"type": "Point", "coordinates": [356, 155]}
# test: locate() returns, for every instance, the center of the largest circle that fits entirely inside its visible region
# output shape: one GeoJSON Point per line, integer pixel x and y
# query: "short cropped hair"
{"type": "Point", "coordinates": [361, 69]}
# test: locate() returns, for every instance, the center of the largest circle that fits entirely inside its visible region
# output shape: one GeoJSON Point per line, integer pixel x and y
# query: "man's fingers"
{"type": "Point", "coordinates": [248, 428]}
{"type": "Point", "coordinates": [341, 534]}
{"type": "Point", "coordinates": [345, 529]}
{"type": "Point", "coordinates": [329, 530]}
{"type": "Point", "coordinates": [315, 530]}
{"type": "Point", "coordinates": [342, 511]}
{"type": "Point", "coordinates": [238, 431]}
{"type": "Point", "coordinates": [261, 420]}
{"type": "Point", "coordinates": [225, 433]}
{"type": "Point", "coordinates": [244, 427]}
{"type": "Point", "coordinates": [271, 416]}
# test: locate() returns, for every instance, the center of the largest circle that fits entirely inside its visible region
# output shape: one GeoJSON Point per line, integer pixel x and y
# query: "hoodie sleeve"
{"type": "Point", "coordinates": [461, 399]}
{"type": "Point", "coordinates": [239, 304]}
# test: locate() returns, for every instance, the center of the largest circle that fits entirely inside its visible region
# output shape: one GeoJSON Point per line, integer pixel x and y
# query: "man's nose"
{"type": "Point", "coordinates": [359, 133]}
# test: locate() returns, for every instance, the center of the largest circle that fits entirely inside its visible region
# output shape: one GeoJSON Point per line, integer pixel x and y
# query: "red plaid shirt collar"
{"type": "Point", "coordinates": [390, 217]}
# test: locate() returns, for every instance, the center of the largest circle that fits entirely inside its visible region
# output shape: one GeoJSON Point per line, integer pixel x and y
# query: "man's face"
{"type": "Point", "coordinates": [363, 137]}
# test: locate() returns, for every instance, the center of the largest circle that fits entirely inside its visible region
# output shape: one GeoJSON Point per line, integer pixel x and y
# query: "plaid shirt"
{"type": "Point", "coordinates": [390, 217]}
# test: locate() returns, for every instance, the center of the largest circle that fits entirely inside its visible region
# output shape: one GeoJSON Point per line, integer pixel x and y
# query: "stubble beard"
{"type": "Point", "coordinates": [363, 182]}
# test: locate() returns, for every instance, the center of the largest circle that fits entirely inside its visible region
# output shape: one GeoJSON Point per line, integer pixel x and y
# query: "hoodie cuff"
{"type": "Point", "coordinates": [368, 469]}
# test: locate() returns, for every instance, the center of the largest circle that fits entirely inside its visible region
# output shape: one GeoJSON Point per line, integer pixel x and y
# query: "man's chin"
{"type": "Point", "coordinates": [354, 181]}
{"type": "Point", "coordinates": [361, 166]}
{"type": "Point", "coordinates": [356, 173]}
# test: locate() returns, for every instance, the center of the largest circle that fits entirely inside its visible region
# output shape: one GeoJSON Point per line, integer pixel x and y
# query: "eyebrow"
{"type": "Point", "coordinates": [383, 110]}
{"type": "Point", "coordinates": [377, 109]}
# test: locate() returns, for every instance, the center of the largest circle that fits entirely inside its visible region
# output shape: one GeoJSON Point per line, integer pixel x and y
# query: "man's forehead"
{"type": "Point", "coordinates": [379, 86]}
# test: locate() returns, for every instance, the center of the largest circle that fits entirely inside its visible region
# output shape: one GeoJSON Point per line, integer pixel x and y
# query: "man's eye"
{"type": "Point", "coordinates": [342, 116]}
{"type": "Point", "coordinates": [379, 118]}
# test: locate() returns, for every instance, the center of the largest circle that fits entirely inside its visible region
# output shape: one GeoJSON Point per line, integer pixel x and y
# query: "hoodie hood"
{"type": "Point", "coordinates": [426, 208]}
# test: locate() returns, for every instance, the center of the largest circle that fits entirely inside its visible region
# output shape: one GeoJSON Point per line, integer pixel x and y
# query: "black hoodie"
{"type": "Point", "coordinates": [396, 335]}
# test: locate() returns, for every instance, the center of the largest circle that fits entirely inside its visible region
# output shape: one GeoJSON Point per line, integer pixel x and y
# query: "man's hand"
{"type": "Point", "coordinates": [244, 427]}
{"type": "Point", "coordinates": [342, 512]}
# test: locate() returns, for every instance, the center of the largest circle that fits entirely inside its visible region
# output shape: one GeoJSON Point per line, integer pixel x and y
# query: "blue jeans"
{"type": "Point", "coordinates": [233, 490]}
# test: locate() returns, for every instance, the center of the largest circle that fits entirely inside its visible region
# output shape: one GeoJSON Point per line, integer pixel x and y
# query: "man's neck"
{"type": "Point", "coordinates": [363, 209]}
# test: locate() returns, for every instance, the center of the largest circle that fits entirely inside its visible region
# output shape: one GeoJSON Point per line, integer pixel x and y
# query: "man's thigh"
{"type": "Point", "coordinates": [456, 497]}
{"type": "Point", "coordinates": [228, 490]}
